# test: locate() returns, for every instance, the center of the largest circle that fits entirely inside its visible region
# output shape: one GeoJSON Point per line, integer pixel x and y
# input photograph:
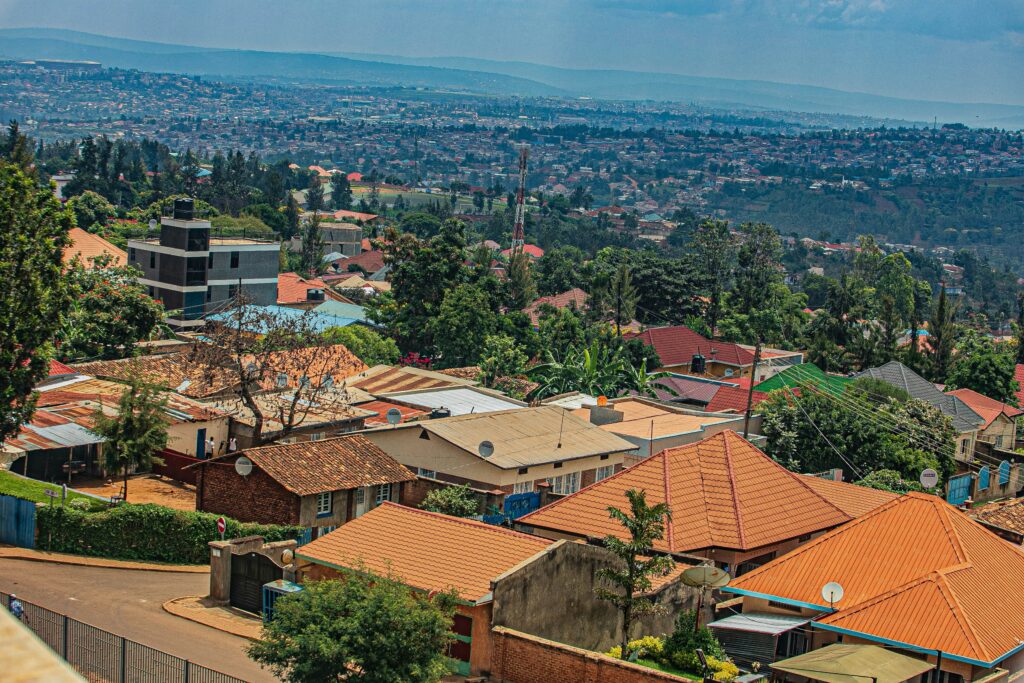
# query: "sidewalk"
{"type": "Point", "coordinates": [9, 552]}
{"type": "Point", "coordinates": [220, 617]}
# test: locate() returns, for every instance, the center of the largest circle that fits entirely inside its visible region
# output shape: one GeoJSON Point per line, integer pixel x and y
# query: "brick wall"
{"type": "Point", "coordinates": [174, 464]}
{"type": "Point", "coordinates": [255, 498]}
{"type": "Point", "coordinates": [522, 658]}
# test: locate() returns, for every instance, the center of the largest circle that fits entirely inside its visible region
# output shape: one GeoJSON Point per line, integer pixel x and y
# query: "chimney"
{"type": "Point", "coordinates": [603, 415]}
{"type": "Point", "coordinates": [184, 209]}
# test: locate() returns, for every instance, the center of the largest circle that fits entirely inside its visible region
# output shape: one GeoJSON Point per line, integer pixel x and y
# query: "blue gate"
{"type": "Point", "coordinates": [959, 489]}
{"type": "Point", "coordinates": [519, 504]}
{"type": "Point", "coordinates": [1004, 473]}
{"type": "Point", "coordinates": [17, 522]}
{"type": "Point", "coordinates": [984, 474]}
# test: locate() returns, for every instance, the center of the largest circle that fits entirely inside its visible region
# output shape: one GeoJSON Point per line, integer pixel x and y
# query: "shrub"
{"type": "Point", "coordinates": [681, 646]}
{"type": "Point", "coordinates": [648, 647]}
{"type": "Point", "coordinates": [143, 532]}
{"type": "Point", "coordinates": [723, 671]}
{"type": "Point", "coordinates": [457, 501]}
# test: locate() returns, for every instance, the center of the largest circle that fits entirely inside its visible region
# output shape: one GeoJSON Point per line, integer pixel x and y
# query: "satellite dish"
{"type": "Point", "coordinates": [706, 576]}
{"type": "Point", "coordinates": [832, 592]}
{"type": "Point", "coordinates": [152, 224]}
{"type": "Point", "coordinates": [929, 478]}
{"type": "Point", "coordinates": [394, 416]}
{"type": "Point", "coordinates": [243, 466]}
{"type": "Point", "coordinates": [485, 449]}
{"type": "Point", "coordinates": [287, 556]}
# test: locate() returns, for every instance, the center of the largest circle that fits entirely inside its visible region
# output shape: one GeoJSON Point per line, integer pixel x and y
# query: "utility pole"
{"type": "Point", "coordinates": [750, 391]}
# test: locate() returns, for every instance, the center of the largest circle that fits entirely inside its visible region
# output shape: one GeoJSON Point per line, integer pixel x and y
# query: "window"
{"type": "Point", "coordinates": [564, 484]}
{"type": "Point", "coordinates": [316, 436]}
{"type": "Point", "coordinates": [282, 379]}
{"type": "Point", "coordinates": [558, 465]}
{"type": "Point", "coordinates": [604, 472]}
{"type": "Point", "coordinates": [383, 493]}
{"type": "Point", "coordinates": [604, 457]}
{"type": "Point", "coordinates": [209, 260]}
{"type": "Point", "coordinates": [323, 504]}
{"type": "Point", "coordinates": [523, 487]}
{"type": "Point", "coordinates": [360, 496]}
{"type": "Point", "coordinates": [524, 470]}
{"type": "Point", "coordinates": [234, 259]}
{"type": "Point", "coordinates": [423, 472]}
{"type": "Point", "coordinates": [131, 254]}
{"type": "Point", "coordinates": [999, 441]}
{"type": "Point", "coordinates": [152, 259]}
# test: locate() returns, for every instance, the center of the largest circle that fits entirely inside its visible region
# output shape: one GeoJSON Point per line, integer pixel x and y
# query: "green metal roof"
{"type": "Point", "coordinates": [804, 373]}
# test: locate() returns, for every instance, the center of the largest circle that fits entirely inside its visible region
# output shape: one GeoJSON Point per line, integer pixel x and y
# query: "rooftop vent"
{"type": "Point", "coordinates": [184, 209]}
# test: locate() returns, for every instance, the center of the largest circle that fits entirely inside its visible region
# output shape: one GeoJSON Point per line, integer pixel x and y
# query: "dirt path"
{"type": "Point", "coordinates": [145, 488]}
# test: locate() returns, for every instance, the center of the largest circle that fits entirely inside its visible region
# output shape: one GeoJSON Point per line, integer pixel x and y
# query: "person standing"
{"type": "Point", "coordinates": [210, 446]}
{"type": "Point", "coordinates": [232, 445]}
{"type": "Point", "coordinates": [16, 608]}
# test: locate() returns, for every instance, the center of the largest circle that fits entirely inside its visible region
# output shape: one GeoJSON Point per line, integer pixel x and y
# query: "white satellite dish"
{"type": "Point", "coordinates": [706, 576]}
{"type": "Point", "coordinates": [832, 593]}
{"type": "Point", "coordinates": [485, 449]}
{"type": "Point", "coordinates": [243, 466]}
{"type": "Point", "coordinates": [394, 416]}
{"type": "Point", "coordinates": [152, 224]}
{"type": "Point", "coordinates": [929, 478]}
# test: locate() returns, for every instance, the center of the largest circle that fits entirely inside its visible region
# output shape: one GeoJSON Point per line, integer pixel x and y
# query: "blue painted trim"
{"type": "Point", "coordinates": [917, 648]}
{"type": "Point", "coordinates": [776, 598]}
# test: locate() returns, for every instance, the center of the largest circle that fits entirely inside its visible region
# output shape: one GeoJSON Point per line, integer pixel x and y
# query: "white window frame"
{"type": "Point", "coordinates": [523, 487]}
{"type": "Point", "coordinates": [564, 484]}
{"type": "Point", "coordinates": [604, 472]}
{"type": "Point", "coordinates": [282, 379]}
{"type": "Point", "coordinates": [379, 495]}
{"type": "Point", "coordinates": [424, 472]}
{"type": "Point", "coordinates": [316, 436]}
{"type": "Point", "coordinates": [324, 504]}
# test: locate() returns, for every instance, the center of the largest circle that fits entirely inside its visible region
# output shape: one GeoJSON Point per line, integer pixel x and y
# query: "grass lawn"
{"type": "Point", "coordinates": [33, 490]}
{"type": "Point", "coordinates": [650, 663]}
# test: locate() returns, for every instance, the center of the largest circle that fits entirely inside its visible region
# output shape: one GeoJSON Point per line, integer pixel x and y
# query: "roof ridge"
{"type": "Point", "coordinates": [669, 527]}
{"type": "Point", "coordinates": [943, 508]}
{"type": "Point", "coordinates": [963, 620]}
{"type": "Point", "coordinates": [732, 484]}
{"type": "Point", "coordinates": [469, 522]}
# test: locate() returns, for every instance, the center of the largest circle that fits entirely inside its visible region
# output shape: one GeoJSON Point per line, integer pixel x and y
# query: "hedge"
{"type": "Point", "coordinates": [151, 533]}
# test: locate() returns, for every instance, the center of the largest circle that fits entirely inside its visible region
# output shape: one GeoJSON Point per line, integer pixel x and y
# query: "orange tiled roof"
{"type": "Point", "coordinates": [425, 550]}
{"type": "Point", "coordinates": [852, 499]}
{"type": "Point", "coordinates": [573, 298]}
{"type": "Point", "coordinates": [292, 288]}
{"type": "Point", "coordinates": [733, 398]}
{"type": "Point", "coordinates": [382, 408]}
{"type": "Point", "coordinates": [338, 464]}
{"type": "Point", "coordinates": [87, 246]}
{"type": "Point", "coordinates": [915, 571]}
{"type": "Point", "coordinates": [988, 408]}
{"type": "Point", "coordinates": [57, 368]}
{"type": "Point", "coordinates": [718, 491]}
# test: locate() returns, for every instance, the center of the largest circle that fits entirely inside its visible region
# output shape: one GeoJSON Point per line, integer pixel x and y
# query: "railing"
{"type": "Point", "coordinates": [103, 656]}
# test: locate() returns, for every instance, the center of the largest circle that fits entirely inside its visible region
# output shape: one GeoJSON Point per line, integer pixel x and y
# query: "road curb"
{"type": "Point", "coordinates": [101, 562]}
{"type": "Point", "coordinates": [176, 607]}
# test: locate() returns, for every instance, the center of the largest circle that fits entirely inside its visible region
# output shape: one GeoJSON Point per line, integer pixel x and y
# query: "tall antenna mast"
{"type": "Point", "coordinates": [518, 228]}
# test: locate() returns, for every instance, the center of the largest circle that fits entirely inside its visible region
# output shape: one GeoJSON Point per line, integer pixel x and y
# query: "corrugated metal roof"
{"type": "Point", "coordinates": [756, 622]}
{"type": "Point", "coordinates": [67, 435]}
{"type": "Point", "coordinates": [384, 379]}
{"type": "Point", "coordinates": [459, 400]}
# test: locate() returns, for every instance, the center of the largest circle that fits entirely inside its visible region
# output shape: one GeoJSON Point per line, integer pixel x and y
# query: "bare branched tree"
{"type": "Point", "coordinates": [286, 373]}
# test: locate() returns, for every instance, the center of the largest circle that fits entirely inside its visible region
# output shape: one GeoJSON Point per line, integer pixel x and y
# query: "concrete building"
{"type": "Point", "coordinates": [193, 273]}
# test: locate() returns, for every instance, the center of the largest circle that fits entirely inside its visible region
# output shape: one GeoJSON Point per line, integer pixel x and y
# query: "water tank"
{"type": "Point", "coordinates": [697, 364]}
{"type": "Point", "coordinates": [184, 209]}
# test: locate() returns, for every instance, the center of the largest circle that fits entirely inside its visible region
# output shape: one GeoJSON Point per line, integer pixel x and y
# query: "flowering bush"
{"type": "Point", "coordinates": [648, 647]}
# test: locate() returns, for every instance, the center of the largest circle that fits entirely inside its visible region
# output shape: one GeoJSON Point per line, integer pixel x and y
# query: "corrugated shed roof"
{"type": "Point", "coordinates": [458, 400]}
{"type": "Point", "coordinates": [723, 493]}
{"type": "Point", "coordinates": [382, 408]}
{"type": "Point", "coordinates": [804, 373]}
{"type": "Point", "coordinates": [425, 550]}
{"type": "Point", "coordinates": [852, 499]}
{"type": "Point", "coordinates": [643, 420]}
{"type": "Point", "coordinates": [915, 571]}
{"type": "Point", "coordinates": [309, 467]}
{"type": "Point", "coordinates": [385, 379]}
{"type": "Point", "coordinates": [527, 436]}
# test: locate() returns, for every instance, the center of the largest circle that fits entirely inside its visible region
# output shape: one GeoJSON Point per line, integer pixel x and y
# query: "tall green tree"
{"type": "Point", "coordinates": [312, 246]}
{"type": "Point", "coordinates": [315, 195]}
{"type": "Point", "coordinates": [987, 371]}
{"type": "Point", "coordinates": [621, 298]}
{"type": "Point", "coordinates": [714, 251]}
{"type": "Point", "coordinates": [942, 331]}
{"type": "Point", "coordinates": [520, 285]}
{"type": "Point", "coordinates": [464, 320]}
{"type": "Point", "coordinates": [644, 524]}
{"type": "Point", "coordinates": [559, 270]}
{"type": "Point", "coordinates": [500, 357]}
{"type": "Point", "coordinates": [1018, 332]}
{"type": "Point", "coordinates": [35, 297]}
{"type": "Point", "coordinates": [341, 192]}
{"type": "Point", "coordinates": [137, 432]}
{"type": "Point", "coordinates": [365, 628]}
{"type": "Point", "coordinates": [16, 149]}
{"type": "Point", "coordinates": [292, 217]}
{"type": "Point", "coordinates": [370, 346]}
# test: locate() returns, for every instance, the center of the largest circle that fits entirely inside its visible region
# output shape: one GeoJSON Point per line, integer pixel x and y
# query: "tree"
{"type": "Point", "coordinates": [110, 313]}
{"type": "Point", "coordinates": [137, 432]}
{"type": "Point", "coordinates": [987, 371]}
{"type": "Point", "coordinates": [292, 217]}
{"type": "Point", "coordinates": [423, 225]}
{"type": "Point", "coordinates": [341, 192]}
{"type": "Point", "coordinates": [500, 357]}
{"type": "Point", "coordinates": [35, 297]}
{"type": "Point", "coordinates": [520, 286]}
{"type": "Point", "coordinates": [370, 346]}
{"type": "Point", "coordinates": [558, 270]}
{"type": "Point", "coordinates": [312, 246]}
{"type": "Point", "coordinates": [942, 336]}
{"type": "Point", "coordinates": [315, 195]}
{"type": "Point", "coordinates": [365, 628]}
{"type": "Point", "coordinates": [889, 480]}
{"type": "Point", "coordinates": [596, 370]}
{"type": "Point", "coordinates": [16, 149]}
{"type": "Point", "coordinates": [1018, 331]}
{"type": "Point", "coordinates": [644, 524]}
{"type": "Point", "coordinates": [619, 297]}
{"type": "Point", "coordinates": [457, 501]}
{"type": "Point", "coordinates": [464, 320]}
{"type": "Point", "coordinates": [715, 257]}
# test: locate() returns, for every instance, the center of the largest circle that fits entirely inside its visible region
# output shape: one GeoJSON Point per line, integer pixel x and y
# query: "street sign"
{"type": "Point", "coordinates": [50, 493]}
{"type": "Point", "coordinates": [929, 478]}
{"type": "Point", "coordinates": [222, 526]}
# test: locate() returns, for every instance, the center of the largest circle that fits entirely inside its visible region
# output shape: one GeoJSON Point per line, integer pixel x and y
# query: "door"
{"type": "Point", "coordinates": [248, 574]}
{"type": "Point", "coordinates": [462, 645]}
{"type": "Point", "coordinates": [201, 443]}
{"type": "Point", "coordinates": [362, 501]}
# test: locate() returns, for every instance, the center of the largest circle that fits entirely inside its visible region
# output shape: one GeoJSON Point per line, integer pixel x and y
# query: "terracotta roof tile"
{"type": "Point", "coordinates": [425, 550]}
{"type": "Point", "coordinates": [292, 288]}
{"type": "Point", "coordinates": [988, 408]}
{"type": "Point", "coordinates": [574, 298]}
{"type": "Point", "coordinates": [57, 368]}
{"type": "Point", "coordinates": [852, 499]}
{"type": "Point", "coordinates": [174, 370]}
{"type": "Point", "coordinates": [308, 467]}
{"type": "Point", "coordinates": [733, 398]}
{"type": "Point", "coordinates": [915, 571]}
{"type": "Point", "coordinates": [678, 344]}
{"type": "Point", "coordinates": [87, 246]}
{"type": "Point", "coordinates": [717, 491]}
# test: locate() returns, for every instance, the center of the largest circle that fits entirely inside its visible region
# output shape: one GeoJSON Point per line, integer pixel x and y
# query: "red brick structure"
{"type": "Point", "coordinates": [521, 658]}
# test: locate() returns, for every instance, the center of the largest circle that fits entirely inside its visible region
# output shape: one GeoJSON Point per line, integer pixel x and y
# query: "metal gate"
{"type": "Point", "coordinates": [17, 522]}
{"type": "Point", "coordinates": [248, 574]}
{"type": "Point", "coordinates": [959, 489]}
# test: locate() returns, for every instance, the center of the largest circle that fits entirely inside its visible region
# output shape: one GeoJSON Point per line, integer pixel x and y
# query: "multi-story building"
{"type": "Point", "coordinates": [193, 273]}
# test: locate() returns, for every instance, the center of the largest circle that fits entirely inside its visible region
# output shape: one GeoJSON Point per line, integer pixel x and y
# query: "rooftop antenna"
{"type": "Point", "coordinates": [832, 592]}
{"type": "Point", "coordinates": [518, 227]}
{"type": "Point", "coordinates": [560, 425]}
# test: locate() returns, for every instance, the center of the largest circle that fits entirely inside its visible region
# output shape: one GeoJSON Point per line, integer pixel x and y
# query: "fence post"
{"type": "Point", "coordinates": [65, 637]}
{"type": "Point", "coordinates": [124, 660]}
{"type": "Point", "coordinates": [188, 664]}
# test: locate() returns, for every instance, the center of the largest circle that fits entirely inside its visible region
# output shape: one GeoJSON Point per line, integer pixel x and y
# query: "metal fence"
{"type": "Point", "coordinates": [102, 656]}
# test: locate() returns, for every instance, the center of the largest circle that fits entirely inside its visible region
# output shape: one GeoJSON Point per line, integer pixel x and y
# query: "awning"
{"type": "Point", "coordinates": [755, 622]}
{"type": "Point", "coordinates": [841, 663]}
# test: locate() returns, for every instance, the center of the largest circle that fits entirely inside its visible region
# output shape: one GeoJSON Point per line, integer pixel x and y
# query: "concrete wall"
{"type": "Point", "coordinates": [443, 457]}
{"type": "Point", "coordinates": [340, 501]}
{"type": "Point", "coordinates": [552, 596]}
{"type": "Point", "coordinates": [1002, 433]}
{"type": "Point", "coordinates": [221, 553]}
{"type": "Point", "coordinates": [182, 437]}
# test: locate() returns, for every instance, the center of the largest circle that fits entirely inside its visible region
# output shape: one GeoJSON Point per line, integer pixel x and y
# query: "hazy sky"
{"type": "Point", "coordinates": [955, 50]}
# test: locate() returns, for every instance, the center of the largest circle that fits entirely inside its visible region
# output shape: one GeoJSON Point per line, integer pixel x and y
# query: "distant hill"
{"type": "Point", "coordinates": [489, 77]}
{"type": "Point", "coordinates": [294, 66]}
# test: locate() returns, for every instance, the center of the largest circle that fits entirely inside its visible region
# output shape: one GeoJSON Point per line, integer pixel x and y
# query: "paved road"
{"type": "Point", "coordinates": [129, 603]}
